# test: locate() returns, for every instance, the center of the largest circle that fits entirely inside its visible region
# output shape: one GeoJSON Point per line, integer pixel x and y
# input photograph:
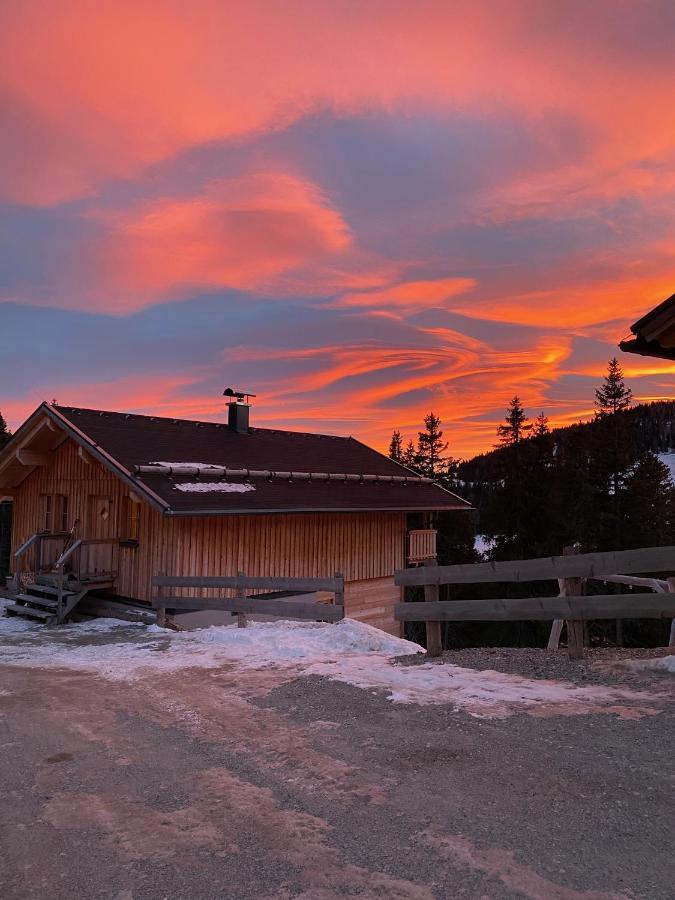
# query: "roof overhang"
{"type": "Point", "coordinates": [654, 333]}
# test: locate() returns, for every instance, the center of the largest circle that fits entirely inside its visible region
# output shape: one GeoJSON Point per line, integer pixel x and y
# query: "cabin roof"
{"type": "Point", "coordinates": [654, 332]}
{"type": "Point", "coordinates": [165, 446]}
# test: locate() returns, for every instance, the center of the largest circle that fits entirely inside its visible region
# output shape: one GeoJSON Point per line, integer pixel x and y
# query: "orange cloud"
{"type": "Point", "coordinates": [411, 294]}
{"type": "Point", "coordinates": [239, 233]}
{"type": "Point", "coordinates": [577, 305]}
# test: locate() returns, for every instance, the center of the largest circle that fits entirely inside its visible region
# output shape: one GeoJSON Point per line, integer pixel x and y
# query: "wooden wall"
{"type": "Point", "coordinates": [362, 546]}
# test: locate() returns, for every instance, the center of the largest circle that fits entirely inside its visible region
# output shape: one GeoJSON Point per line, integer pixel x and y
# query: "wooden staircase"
{"type": "Point", "coordinates": [39, 601]}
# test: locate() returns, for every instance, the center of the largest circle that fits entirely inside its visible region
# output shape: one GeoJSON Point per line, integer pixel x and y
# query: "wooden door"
{"type": "Point", "coordinates": [96, 558]}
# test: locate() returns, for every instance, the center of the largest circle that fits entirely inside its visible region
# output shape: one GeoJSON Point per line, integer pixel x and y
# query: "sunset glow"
{"type": "Point", "coordinates": [360, 210]}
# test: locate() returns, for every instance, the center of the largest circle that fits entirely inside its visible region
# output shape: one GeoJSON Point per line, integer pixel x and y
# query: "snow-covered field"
{"type": "Point", "coordinates": [349, 652]}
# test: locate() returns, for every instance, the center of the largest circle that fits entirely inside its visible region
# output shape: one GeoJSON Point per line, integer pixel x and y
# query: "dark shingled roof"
{"type": "Point", "coordinates": [133, 440]}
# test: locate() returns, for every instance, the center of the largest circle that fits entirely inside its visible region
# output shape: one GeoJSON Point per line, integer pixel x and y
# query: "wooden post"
{"type": "Point", "coordinates": [339, 596]}
{"type": "Point", "coordinates": [574, 587]}
{"type": "Point", "coordinates": [241, 592]}
{"type": "Point", "coordinates": [161, 610]}
{"type": "Point", "coordinates": [431, 595]}
{"type": "Point", "coordinates": [671, 590]}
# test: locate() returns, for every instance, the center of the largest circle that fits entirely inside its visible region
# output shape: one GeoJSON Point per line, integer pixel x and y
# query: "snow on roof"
{"type": "Point", "coordinates": [208, 487]}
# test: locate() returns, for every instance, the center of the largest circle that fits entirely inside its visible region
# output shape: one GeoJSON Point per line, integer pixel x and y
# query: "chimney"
{"type": "Point", "coordinates": [238, 407]}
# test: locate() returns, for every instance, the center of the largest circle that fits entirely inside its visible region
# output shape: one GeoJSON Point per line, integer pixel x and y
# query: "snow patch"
{"type": "Point", "coordinates": [661, 664]}
{"type": "Point", "coordinates": [188, 465]}
{"type": "Point", "coordinates": [668, 459]}
{"type": "Point", "coordinates": [483, 544]}
{"type": "Point", "coordinates": [350, 652]}
{"type": "Point", "coordinates": [209, 487]}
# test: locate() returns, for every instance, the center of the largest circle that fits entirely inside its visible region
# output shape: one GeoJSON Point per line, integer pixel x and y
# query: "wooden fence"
{"type": "Point", "coordinates": [572, 606]}
{"type": "Point", "coordinates": [242, 603]}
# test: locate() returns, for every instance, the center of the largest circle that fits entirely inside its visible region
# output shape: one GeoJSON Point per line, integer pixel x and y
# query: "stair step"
{"type": "Point", "coordinates": [37, 601]}
{"type": "Point", "coordinates": [30, 613]}
{"type": "Point", "coordinates": [47, 589]}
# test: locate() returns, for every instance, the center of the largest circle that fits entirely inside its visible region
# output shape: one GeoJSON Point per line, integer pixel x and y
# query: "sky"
{"type": "Point", "coordinates": [360, 210]}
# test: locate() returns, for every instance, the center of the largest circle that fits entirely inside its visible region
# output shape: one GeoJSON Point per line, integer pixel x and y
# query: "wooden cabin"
{"type": "Point", "coordinates": [144, 495]}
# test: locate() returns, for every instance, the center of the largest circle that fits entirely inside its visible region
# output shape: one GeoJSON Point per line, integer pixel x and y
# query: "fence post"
{"type": "Point", "coordinates": [574, 587]}
{"type": "Point", "coordinates": [161, 610]}
{"type": "Point", "coordinates": [431, 595]}
{"type": "Point", "coordinates": [671, 590]}
{"type": "Point", "coordinates": [339, 596]}
{"type": "Point", "coordinates": [241, 593]}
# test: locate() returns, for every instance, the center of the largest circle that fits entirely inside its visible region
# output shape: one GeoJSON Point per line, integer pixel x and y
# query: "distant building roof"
{"type": "Point", "coordinates": [654, 332]}
{"type": "Point", "coordinates": [185, 467]}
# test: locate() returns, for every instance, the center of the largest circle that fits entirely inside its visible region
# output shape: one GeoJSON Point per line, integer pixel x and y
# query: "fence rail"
{"type": "Point", "coordinates": [288, 608]}
{"type": "Point", "coordinates": [572, 606]}
{"type": "Point", "coordinates": [581, 565]}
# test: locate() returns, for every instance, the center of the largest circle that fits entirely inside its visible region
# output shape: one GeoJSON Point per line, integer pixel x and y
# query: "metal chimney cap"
{"type": "Point", "coordinates": [238, 395]}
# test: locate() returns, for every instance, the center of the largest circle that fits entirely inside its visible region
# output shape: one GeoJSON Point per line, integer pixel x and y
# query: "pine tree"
{"type": "Point", "coordinates": [516, 426]}
{"type": "Point", "coordinates": [612, 455]}
{"type": "Point", "coordinates": [5, 434]}
{"type": "Point", "coordinates": [431, 447]}
{"type": "Point", "coordinates": [540, 426]}
{"type": "Point", "coordinates": [613, 396]}
{"type": "Point", "coordinates": [396, 446]}
{"type": "Point", "coordinates": [410, 457]}
{"type": "Point", "coordinates": [649, 504]}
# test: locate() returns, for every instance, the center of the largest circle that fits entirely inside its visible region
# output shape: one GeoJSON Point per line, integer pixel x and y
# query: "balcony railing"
{"type": "Point", "coordinates": [421, 544]}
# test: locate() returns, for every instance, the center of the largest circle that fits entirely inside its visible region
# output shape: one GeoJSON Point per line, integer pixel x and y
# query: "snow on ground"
{"type": "Point", "coordinates": [660, 664]}
{"type": "Point", "coordinates": [349, 652]}
{"type": "Point", "coordinates": [668, 459]}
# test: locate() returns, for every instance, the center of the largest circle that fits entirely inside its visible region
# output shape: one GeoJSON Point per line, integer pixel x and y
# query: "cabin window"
{"type": "Point", "coordinates": [132, 520]}
{"type": "Point", "coordinates": [46, 512]}
{"type": "Point", "coordinates": [61, 510]}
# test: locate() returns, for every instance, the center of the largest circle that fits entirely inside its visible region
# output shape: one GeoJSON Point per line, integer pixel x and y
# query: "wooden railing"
{"type": "Point", "coordinates": [35, 555]}
{"type": "Point", "coordinates": [571, 606]}
{"type": "Point", "coordinates": [242, 603]}
{"type": "Point", "coordinates": [421, 544]}
{"type": "Point", "coordinates": [91, 558]}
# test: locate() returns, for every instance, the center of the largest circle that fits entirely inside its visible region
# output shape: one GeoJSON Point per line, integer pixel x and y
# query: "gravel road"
{"type": "Point", "coordinates": [226, 783]}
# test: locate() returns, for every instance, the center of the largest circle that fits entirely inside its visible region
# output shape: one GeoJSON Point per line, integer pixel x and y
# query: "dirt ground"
{"type": "Point", "coordinates": [234, 783]}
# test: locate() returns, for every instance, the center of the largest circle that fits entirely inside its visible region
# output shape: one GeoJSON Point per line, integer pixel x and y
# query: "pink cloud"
{"type": "Point", "coordinates": [241, 233]}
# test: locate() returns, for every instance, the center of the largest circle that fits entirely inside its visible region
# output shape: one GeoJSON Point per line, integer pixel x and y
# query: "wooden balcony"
{"type": "Point", "coordinates": [421, 545]}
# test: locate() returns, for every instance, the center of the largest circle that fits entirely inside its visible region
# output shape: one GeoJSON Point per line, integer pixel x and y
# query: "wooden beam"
{"type": "Point", "coordinates": [32, 457]}
{"type": "Point", "coordinates": [288, 609]}
{"type": "Point", "coordinates": [84, 456]}
{"type": "Point", "coordinates": [251, 583]}
{"type": "Point", "coordinates": [603, 606]}
{"type": "Point", "coordinates": [583, 565]}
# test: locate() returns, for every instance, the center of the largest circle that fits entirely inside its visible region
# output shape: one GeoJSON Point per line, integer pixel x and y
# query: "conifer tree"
{"type": "Point", "coordinates": [516, 424]}
{"type": "Point", "coordinates": [5, 434]}
{"type": "Point", "coordinates": [410, 458]}
{"type": "Point", "coordinates": [612, 396]}
{"type": "Point", "coordinates": [396, 446]}
{"type": "Point", "coordinates": [540, 427]}
{"type": "Point", "coordinates": [431, 448]}
{"type": "Point", "coordinates": [648, 501]}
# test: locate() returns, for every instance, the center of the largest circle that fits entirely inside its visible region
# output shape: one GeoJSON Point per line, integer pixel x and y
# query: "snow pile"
{"type": "Point", "coordinates": [208, 487]}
